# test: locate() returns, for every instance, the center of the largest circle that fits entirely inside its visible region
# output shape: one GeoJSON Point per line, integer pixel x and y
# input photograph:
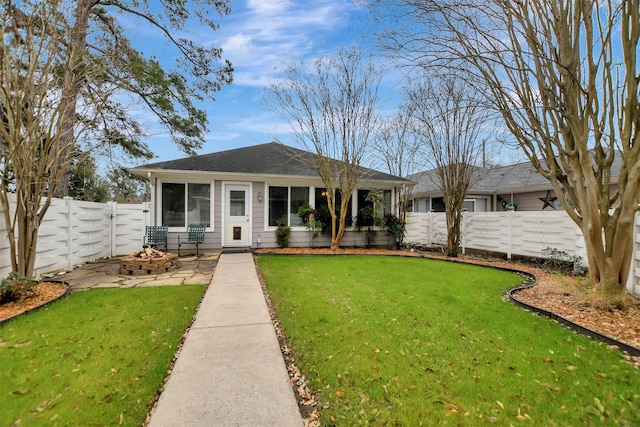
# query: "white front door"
{"type": "Point", "coordinates": [237, 215]}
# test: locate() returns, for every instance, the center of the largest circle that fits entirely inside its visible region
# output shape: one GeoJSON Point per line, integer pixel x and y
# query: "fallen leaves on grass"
{"type": "Point", "coordinates": [559, 295]}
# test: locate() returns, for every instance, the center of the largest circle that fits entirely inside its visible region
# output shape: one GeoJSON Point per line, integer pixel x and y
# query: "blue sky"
{"type": "Point", "coordinates": [258, 37]}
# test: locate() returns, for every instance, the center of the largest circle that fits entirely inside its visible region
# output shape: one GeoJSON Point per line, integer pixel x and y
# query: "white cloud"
{"type": "Point", "coordinates": [263, 7]}
{"type": "Point", "coordinates": [260, 35]}
{"type": "Point", "coordinates": [239, 45]}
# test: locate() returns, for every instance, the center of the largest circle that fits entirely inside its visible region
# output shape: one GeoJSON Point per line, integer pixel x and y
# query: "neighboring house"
{"type": "Point", "coordinates": [519, 187]}
{"type": "Point", "coordinates": [240, 195]}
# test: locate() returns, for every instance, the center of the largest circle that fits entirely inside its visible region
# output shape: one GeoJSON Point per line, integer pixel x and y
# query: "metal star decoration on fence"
{"type": "Point", "coordinates": [548, 200]}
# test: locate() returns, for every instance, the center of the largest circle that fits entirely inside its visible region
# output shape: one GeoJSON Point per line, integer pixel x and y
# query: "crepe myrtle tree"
{"type": "Point", "coordinates": [331, 108]}
{"type": "Point", "coordinates": [451, 121]}
{"type": "Point", "coordinates": [33, 142]}
{"type": "Point", "coordinates": [396, 146]}
{"type": "Point", "coordinates": [564, 75]}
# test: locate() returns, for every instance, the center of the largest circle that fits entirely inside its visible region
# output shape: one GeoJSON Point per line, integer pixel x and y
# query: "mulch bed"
{"type": "Point", "coordinates": [44, 293]}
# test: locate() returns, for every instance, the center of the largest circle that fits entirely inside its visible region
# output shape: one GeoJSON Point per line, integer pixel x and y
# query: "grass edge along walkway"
{"type": "Point", "coordinates": [97, 357]}
{"type": "Point", "coordinates": [405, 341]}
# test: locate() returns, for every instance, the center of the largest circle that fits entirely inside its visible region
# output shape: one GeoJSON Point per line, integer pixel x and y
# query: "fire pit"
{"type": "Point", "coordinates": [149, 261]}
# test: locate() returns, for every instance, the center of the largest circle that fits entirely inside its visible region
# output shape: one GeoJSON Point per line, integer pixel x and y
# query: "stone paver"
{"type": "Point", "coordinates": [106, 274]}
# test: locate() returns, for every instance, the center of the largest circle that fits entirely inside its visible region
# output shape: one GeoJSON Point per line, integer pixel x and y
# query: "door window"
{"type": "Point", "coordinates": [237, 203]}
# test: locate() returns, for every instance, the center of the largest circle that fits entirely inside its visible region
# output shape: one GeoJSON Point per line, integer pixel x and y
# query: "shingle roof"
{"type": "Point", "coordinates": [520, 177]}
{"type": "Point", "coordinates": [265, 159]}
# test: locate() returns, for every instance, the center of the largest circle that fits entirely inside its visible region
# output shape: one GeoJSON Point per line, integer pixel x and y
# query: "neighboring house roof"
{"type": "Point", "coordinates": [516, 178]}
{"type": "Point", "coordinates": [270, 159]}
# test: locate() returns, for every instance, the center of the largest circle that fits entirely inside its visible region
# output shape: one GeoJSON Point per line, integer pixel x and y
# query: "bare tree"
{"type": "Point", "coordinates": [452, 119]}
{"type": "Point", "coordinates": [331, 109]}
{"type": "Point", "coordinates": [33, 143]}
{"type": "Point", "coordinates": [565, 77]}
{"type": "Point", "coordinates": [396, 146]}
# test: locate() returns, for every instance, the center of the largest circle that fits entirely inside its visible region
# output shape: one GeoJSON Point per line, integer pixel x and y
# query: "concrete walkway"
{"type": "Point", "coordinates": [230, 371]}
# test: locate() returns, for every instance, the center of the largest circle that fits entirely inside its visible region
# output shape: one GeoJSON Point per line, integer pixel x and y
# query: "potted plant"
{"type": "Point", "coordinates": [369, 220]}
{"type": "Point", "coordinates": [306, 212]}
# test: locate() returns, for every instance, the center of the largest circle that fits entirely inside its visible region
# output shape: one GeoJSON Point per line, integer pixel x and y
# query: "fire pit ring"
{"type": "Point", "coordinates": [148, 261]}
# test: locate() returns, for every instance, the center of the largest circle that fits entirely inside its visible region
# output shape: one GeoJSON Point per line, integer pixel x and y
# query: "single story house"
{"type": "Point", "coordinates": [241, 194]}
{"type": "Point", "coordinates": [514, 187]}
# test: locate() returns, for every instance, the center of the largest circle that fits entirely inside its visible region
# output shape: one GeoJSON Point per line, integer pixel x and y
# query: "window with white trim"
{"type": "Point", "coordinates": [185, 204]}
{"type": "Point", "coordinates": [284, 203]}
{"type": "Point", "coordinates": [380, 202]}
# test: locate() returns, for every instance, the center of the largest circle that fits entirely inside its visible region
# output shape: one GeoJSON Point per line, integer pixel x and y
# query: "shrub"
{"type": "Point", "coordinates": [16, 287]}
{"type": "Point", "coordinates": [282, 233]}
{"type": "Point", "coordinates": [314, 226]}
{"type": "Point", "coordinates": [558, 260]}
{"type": "Point", "coordinates": [368, 218]}
{"type": "Point", "coordinates": [395, 227]}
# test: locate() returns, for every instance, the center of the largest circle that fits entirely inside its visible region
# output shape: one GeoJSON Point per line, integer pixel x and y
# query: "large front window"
{"type": "Point", "coordinates": [284, 203]}
{"type": "Point", "coordinates": [373, 203]}
{"type": "Point", "coordinates": [185, 204]}
{"type": "Point", "coordinates": [322, 207]}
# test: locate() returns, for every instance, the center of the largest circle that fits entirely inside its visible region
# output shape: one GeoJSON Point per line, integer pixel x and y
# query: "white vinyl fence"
{"type": "Point", "coordinates": [74, 232]}
{"type": "Point", "coordinates": [513, 234]}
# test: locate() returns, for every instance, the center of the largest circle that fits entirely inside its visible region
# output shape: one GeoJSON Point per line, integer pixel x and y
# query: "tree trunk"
{"type": "Point", "coordinates": [453, 232]}
{"type": "Point", "coordinates": [70, 91]}
{"type": "Point", "coordinates": [335, 244]}
{"type": "Point", "coordinates": [344, 204]}
{"type": "Point", "coordinates": [23, 255]}
{"type": "Point", "coordinates": [609, 272]}
{"type": "Point", "coordinates": [610, 250]}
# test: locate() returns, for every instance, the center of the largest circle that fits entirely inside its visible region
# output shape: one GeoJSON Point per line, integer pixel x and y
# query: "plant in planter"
{"type": "Point", "coordinates": [368, 217]}
{"type": "Point", "coordinates": [306, 212]}
{"type": "Point", "coordinates": [395, 227]}
{"type": "Point", "coordinates": [308, 215]}
{"type": "Point", "coordinates": [282, 233]}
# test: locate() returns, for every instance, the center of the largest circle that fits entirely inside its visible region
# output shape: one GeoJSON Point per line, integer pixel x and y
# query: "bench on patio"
{"type": "Point", "coordinates": [156, 235]}
{"type": "Point", "coordinates": [195, 236]}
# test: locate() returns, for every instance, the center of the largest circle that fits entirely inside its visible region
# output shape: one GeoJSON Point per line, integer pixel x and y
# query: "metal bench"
{"type": "Point", "coordinates": [195, 236]}
{"type": "Point", "coordinates": [156, 235]}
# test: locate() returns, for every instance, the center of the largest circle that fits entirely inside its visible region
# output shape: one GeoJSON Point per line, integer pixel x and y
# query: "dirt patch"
{"type": "Point", "coordinates": [44, 292]}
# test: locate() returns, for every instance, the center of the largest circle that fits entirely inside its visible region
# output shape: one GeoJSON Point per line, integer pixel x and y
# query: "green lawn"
{"type": "Point", "coordinates": [97, 357]}
{"type": "Point", "coordinates": [409, 341]}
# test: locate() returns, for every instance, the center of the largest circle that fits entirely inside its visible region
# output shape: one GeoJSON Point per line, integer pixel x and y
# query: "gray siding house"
{"type": "Point", "coordinates": [518, 186]}
{"type": "Point", "coordinates": [240, 194]}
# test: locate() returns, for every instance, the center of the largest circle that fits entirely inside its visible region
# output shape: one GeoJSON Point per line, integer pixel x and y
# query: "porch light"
{"type": "Point", "coordinates": [259, 196]}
